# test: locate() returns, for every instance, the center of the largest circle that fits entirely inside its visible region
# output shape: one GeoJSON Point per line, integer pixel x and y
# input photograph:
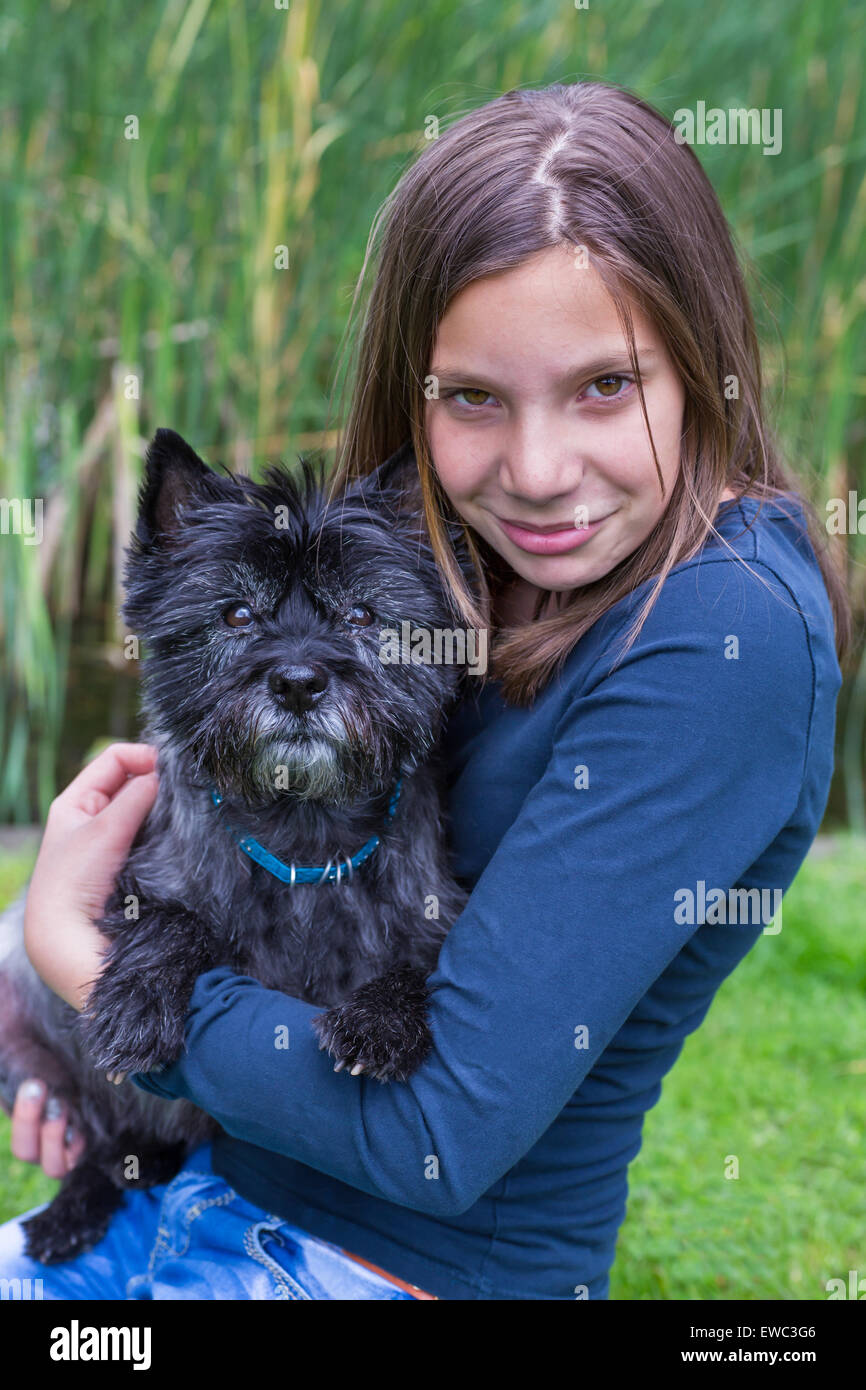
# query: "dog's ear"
{"type": "Point", "coordinates": [174, 477]}
{"type": "Point", "coordinates": [395, 479]}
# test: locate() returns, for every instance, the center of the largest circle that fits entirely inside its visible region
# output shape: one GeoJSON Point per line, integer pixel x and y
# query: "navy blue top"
{"type": "Point", "coordinates": [602, 832]}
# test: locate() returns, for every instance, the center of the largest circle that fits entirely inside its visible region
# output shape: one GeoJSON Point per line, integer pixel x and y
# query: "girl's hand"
{"type": "Point", "coordinates": [39, 1132]}
{"type": "Point", "coordinates": [88, 835]}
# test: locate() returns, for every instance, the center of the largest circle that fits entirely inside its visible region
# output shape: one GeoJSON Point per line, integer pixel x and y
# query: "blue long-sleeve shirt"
{"type": "Point", "coordinates": [601, 832]}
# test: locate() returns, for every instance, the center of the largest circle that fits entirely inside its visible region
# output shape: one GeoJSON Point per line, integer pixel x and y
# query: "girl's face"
{"type": "Point", "coordinates": [537, 434]}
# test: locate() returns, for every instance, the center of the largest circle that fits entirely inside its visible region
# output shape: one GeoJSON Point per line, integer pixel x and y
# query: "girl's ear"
{"type": "Point", "coordinates": [174, 478]}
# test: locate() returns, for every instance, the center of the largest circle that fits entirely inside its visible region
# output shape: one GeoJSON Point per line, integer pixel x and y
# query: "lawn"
{"type": "Point", "coordinates": [775, 1077]}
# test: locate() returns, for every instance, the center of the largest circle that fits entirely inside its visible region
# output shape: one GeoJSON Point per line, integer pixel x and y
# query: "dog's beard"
{"type": "Point", "coordinates": [308, 767]}
{"type": "Point", "coordinates": [260, 754]}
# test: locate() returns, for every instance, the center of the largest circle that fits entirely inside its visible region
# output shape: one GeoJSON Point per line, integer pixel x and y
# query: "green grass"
{"type": "Point", "coordinates": [775, 1075]}
{"type": "Point", "coordinates": [22, 1185]}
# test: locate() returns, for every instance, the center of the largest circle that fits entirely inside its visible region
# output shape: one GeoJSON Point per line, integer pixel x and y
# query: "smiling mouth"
{"type": "Point", "coordinates": [555, 529]}
{"type": "Point", "coordinates": [556, 539]}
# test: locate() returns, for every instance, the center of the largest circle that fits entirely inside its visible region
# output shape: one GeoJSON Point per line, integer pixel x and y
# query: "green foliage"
{"type": "Point", "coordinates": [138, 286]}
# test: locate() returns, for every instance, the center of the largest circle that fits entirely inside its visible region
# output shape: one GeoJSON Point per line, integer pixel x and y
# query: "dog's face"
{"type": "Point", "coordinates": [261, 610]}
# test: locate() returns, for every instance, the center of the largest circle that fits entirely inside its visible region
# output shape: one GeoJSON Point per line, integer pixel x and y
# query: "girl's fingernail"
{"type": "Point", "coordinates": [53, 1108]}
{"type": "Point", "coordinates": [31, 1090]}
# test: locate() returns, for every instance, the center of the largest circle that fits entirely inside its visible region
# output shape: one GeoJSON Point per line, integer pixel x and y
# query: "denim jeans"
{"type": "Point", "coordinates": [195, 1238]}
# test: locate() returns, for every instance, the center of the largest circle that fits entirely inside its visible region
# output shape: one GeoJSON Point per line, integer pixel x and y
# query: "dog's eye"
{"type": "Point", "coordinates": [359, 615]}
{"type": "Point", "coordinates": [239, 615]}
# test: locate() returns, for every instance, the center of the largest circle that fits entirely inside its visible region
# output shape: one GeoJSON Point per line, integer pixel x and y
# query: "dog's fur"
{"type": "Point", "coordinates": [304, 730]}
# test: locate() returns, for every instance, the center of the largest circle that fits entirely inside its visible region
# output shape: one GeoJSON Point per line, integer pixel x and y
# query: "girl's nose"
{"type": "Point", "coordinates": [532, 470]}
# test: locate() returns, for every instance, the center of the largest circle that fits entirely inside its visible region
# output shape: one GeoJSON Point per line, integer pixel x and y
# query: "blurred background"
{"type": "Point", "coordinates": [152, 159]}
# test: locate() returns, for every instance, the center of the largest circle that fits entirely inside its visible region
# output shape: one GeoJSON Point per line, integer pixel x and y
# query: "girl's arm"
{"type": "Point", "coordinates": [695, 762]}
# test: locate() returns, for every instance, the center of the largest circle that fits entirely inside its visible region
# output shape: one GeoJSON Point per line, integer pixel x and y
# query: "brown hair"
{"type": "Point", "coordinates": [594, 166]}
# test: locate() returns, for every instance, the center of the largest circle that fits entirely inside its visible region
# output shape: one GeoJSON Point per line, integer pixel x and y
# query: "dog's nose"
{"type": "Point", "coordinates": [297, 688]}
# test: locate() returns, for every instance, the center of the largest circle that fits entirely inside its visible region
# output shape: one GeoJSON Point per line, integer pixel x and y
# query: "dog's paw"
{"type": "Point", "coordinates": [144, 1035]}
{"type": "Point", "coordinates": [77, 1219]}
{"type": "Point", "coordinates": [381, 1029]}
{"type": "Point", "coordinates": [50, 1244]}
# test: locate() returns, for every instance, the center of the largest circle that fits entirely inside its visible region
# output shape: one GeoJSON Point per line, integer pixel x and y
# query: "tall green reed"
{"type": "Point", "coordinates": [200, 274]}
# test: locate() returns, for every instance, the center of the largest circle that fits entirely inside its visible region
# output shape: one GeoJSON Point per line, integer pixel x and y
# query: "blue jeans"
{"type": "Point", "coordinates": [195, 1238]}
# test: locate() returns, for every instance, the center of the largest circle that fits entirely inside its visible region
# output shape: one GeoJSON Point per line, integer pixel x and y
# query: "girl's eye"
{"type": "Point", "coordinates": [359, 615]}
{"type": "Point", "coordinates": [239, 615]}
{"type": "Point", "coordinates": [468, 392]}
{"type": "Point", "coordinates": [609, 386]}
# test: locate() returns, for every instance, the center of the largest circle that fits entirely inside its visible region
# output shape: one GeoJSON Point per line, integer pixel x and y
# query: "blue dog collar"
{"type": "Point", "coordinates": [308, 873]}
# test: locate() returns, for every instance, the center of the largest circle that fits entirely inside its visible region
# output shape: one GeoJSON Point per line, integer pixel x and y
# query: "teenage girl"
{"type": "Point", "coordinates": [559, 324]}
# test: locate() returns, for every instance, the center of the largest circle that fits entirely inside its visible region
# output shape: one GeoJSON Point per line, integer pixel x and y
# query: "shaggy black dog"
{"type": "Point", "coordinates": [297, 834]}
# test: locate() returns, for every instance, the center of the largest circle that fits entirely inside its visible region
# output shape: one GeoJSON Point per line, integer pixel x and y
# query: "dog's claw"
{"type": "Point", "coordinates": [339, 1066]}
{"type": "Point", "coordinates": [357, 1069]}
{"type": "Point", "coordinates": [115, 1077]}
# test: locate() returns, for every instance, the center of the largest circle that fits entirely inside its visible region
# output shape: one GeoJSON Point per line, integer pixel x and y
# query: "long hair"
{"type": "Point", "coordinates": [592, 166]}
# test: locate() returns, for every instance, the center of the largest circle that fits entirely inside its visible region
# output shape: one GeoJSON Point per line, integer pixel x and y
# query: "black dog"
{"type": "Point", "coordinates": [297, 834]}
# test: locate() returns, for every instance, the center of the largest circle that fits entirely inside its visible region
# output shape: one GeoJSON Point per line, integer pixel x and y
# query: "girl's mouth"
{"type": "Point", "coordinates": [549, 542]}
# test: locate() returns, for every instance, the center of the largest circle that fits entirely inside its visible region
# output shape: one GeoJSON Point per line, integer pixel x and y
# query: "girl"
{"type": "Point", "coordinates": [559, 323]}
